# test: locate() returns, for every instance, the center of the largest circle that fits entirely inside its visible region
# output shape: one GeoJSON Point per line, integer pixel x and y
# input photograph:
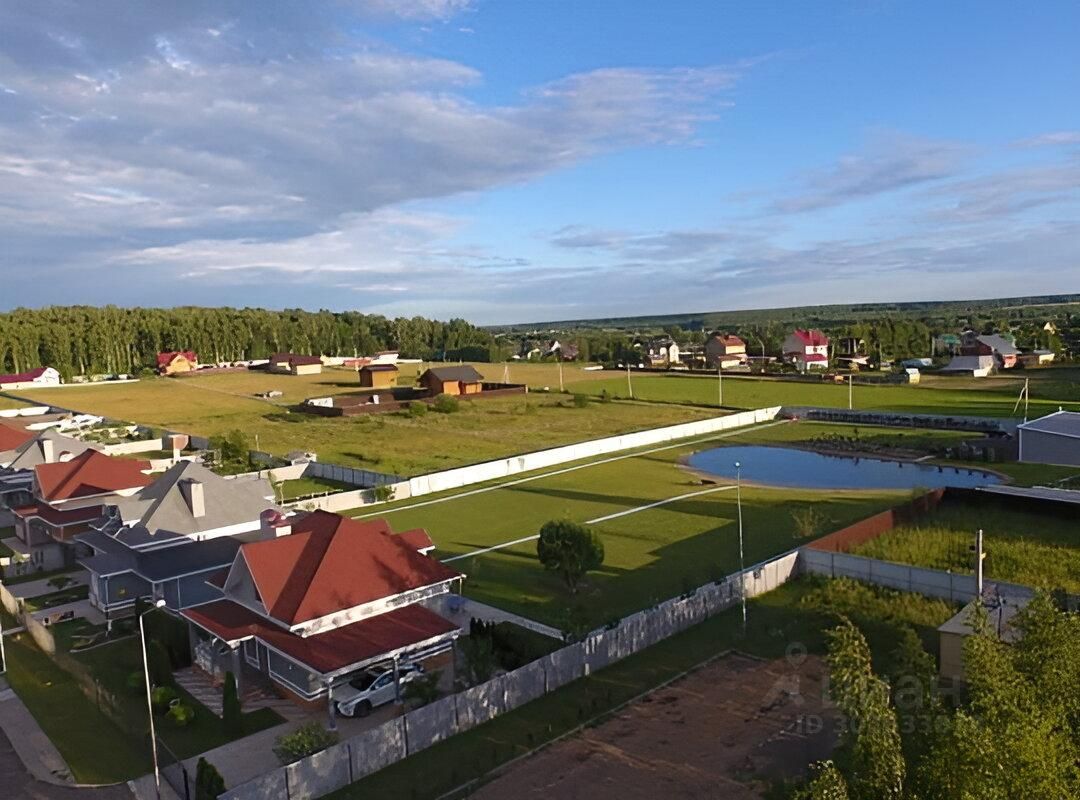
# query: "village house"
{"type": "Point", "coordinates": [564, 351]}
{"type": "Point", "coordinates": [66, 497]}
{"type": "Point", "coordinates": [326, 598]}
{"type": "Point", "coordinates": [11, 439]}
{"type": "Point", "coordinates": [724, 350]}
{"type": "Point", "coordinates": [807, 349]}
{"type": "Point", "coordinates": [662, 352]}
{"type": "Point", "coordinates": [460, 380]}
{"type": "Point", "coordinates": [293, 364]}
{"type": "Point", "coordinates": [173, 362]}
{"type": "Point", "coordinates": [1003, 351]}
{"type": "Point", "coordinates": [42, 376]}
{"type": "Point", "coordinates": [851, 352]}
{"type": "Point", "coordinates": [164, 541]}
{"type": "Point", "coordinates": [378, 376]}
{"type": "Point", "coordinates": [17, 468]}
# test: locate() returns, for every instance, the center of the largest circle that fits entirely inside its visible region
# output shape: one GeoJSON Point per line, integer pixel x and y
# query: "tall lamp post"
{"type": "Point", "coordinates": [742, 576]}
{"type": "Point", "coordinates": [3, 655]}
{"type": "Point", "coordinates": [149, 698]}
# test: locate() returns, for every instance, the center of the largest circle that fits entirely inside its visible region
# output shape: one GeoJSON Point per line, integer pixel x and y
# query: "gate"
{"type": "Point", "coordinates": [174, 773]}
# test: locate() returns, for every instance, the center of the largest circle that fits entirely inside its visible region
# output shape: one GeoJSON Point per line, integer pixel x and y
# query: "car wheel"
{"type": "Point", "coordinates": [346, 711]}
{"type": "Point", "coordinates": [363, 709]}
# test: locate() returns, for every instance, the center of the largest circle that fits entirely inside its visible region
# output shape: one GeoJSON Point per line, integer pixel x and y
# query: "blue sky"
{"type": "Point", "coordinates": [514, 161]}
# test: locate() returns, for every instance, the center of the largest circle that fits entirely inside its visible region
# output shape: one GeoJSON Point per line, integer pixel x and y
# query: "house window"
{"type": "Point", "coordinates": [251, 652]}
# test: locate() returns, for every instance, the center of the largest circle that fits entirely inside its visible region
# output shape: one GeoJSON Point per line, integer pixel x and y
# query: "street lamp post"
{"type": "Point", "coordinates": [3, 655]}
{"type": "Point", "coordinates": [149, 698]}
{"type": "Point", "coordinates": [742, 576]}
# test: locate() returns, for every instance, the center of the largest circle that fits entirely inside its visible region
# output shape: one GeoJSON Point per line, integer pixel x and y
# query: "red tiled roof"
{"type": "Point", "coordinates": [729, 340]}
{"type": "Point", "coordinates": [166, 358]}
{"type": "Point", "coordinates": [90, 473]}
{"type": "Point", "coordinates": [326, 652]}
{"type": "Point", "coordinates": [23, 377]}
{"type": "Point", "coordinates": [417, 539]}
{"type": "Point", "coordinates": [59, 517]}
{"type": "Point", "coordinates": [11, 438]}
{"type": "Point", "coordinates": [812, 338]}
{"type": "Point", "coordinates": [330, 563]}
{"type": "Point", "coordinates": [813, 357]}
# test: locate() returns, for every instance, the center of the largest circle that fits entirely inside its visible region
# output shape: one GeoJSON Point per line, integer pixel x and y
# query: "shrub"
{"type": "Point", "coordinates": [231, 712]}
{"type": "Point", "coordinates": [136, 682]}
{"type": "Point", "coordinates": [422, 689]}
{"type": "Point", "coordinates": [569, 549]}
{"type": "Point", "coordinates": [161, 697]}
{"type": "Point", "coordinates": [445, 404]}
{"type": "Point", "coordinates": [383, 493]}
{"type": "Point", "coordinates": [160, 664]}
{"type": "Point", "coordinates": [209, 784]}
{"type": "Point", "coordinates": [181, 714]}
{"type": "Point", "coordinates": [808, 521]}
{"type": "Point", "coordinates": [303, 742]}
{"type": "Point", "coordinates": [581, 401]}
{"type": "Point", "coordinates": [417, 408]}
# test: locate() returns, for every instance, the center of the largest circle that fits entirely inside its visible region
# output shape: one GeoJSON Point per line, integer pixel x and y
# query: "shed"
{"type": "Point", "coordinates": [1053, 439]}
{"type": "Point", "coordinates": [378, 376]}
{"type": "Point", "coordinates": [460, 380]}
{"type": "Point", "coordinates": [1001, 610]}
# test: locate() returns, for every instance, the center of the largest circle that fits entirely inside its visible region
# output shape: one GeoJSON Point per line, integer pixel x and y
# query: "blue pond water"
{"type": "Point", "coordinates": [785, 466]}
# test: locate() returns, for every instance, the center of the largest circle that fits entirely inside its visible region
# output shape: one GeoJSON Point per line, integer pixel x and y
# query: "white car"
{"type": "Point", "coordinates": [372, 688]}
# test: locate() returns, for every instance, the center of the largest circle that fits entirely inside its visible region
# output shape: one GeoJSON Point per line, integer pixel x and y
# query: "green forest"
{"type": "Point", "coordinates": [83, 340]}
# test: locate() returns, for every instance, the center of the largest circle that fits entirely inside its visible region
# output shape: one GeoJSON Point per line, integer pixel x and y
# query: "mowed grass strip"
{"type": "Point", "coordinates": [995, 399]}
{"type": "Point", "coordinates": [651, 555]}
{"type": "Point", "coordinates": [1034, 549]}
{"type": "Point", "coordinates": [784, 621]}
{"type": "Point", "coordinates": [396, 443]}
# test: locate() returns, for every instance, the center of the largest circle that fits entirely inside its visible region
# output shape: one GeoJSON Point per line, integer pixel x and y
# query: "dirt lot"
{"type": "Point", "coordinates": [724, 731]}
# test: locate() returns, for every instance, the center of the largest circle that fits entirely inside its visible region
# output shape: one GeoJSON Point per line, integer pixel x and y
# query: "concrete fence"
{"type": "Point", "coordinates": [904, 577]}
{"type": "Point", "coordinates": [28, 411]}
{"type": "Point", "coordinates": [141, 446]}
{"type": "Point", "coordinates": [428, 725]}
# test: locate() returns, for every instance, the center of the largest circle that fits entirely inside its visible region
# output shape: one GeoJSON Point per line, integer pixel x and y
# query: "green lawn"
{"type": "Point", "coordinates": [651, 555]}
{"type": "Point", "coordinates": [795, 614]}
{"type": "Point", "coordinates": [394, 443]}
{"type": "Point", "coordinates": [992, 399]}
{"type": "Point", "coordinates": [96, 749]}
{"type": "Point", "coordinates": [1034, 549]}
{"type": "Point", "coordinates": [58, 598]}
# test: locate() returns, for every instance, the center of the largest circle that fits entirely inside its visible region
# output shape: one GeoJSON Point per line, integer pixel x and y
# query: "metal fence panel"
{"type": "Point", "coordinates": [269, 784]}
{"type": "Point", "coordinates": [477, 705]}
{"type": "Point", "coordinates": [564, 666]}
{"type": "Point", "coordinates": [525, 685]}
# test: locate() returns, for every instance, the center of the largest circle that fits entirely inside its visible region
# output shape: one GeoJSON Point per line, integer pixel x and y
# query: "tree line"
{"type": "Point", "coordinates": [85, 340]}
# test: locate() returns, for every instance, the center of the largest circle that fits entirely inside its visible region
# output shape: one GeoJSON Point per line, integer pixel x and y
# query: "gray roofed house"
{"type": "Point", "coordinates": [463, 372]}
{"type": "Point", "coordinates": [47, 447]}
{"type": "Point", "coordinates": [999, 344]}
{"type": "Point", "coordinates": [190, 501]}
{"type": "Point", "coordinates": [1053, 439]}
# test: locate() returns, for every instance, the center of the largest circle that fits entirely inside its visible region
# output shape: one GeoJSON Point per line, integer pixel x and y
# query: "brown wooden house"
{"type": "Point", "coordinates": [460, 380]}
{"type": "Point", "coordinates": [378, 376]}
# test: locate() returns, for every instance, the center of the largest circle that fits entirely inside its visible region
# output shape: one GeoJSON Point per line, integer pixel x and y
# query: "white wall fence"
{"type": "Point", "coordinates": [132, 448]}
{"type": "Point", "coordinates": [379, 747]}
{"type": "Point", "coordinates": [28, 411]}
{"type": "Point", "coordinates": [929, 582]}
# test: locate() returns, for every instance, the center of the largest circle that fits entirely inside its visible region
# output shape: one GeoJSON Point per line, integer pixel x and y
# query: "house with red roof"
{"type": "Point", "coordinates": [66, 497]}
{"type": "Point", "coordinates": [807, 349]}
{"type": "Point", "coordinates": [12, 438]}
{"type": "Point", "coordinates": [326, 598]}
{"type": "Point", "coordinates": [42, 376]}
{"type": "Point", "coordinates": [172, 362]}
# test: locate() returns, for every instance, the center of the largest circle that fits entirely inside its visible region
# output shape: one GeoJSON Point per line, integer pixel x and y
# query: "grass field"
{"type": "Point", "coordinates": [7, 403]}
{"type": "Point", "coordinates": [395, 443]}
{"type": "Point", "coordinates": [1040, 550]}
{"type": "Point", "coordinates": [797, 614]}
{"type": "Point", "coordinates": [993, 399]}
{"type": "Point", "coordinates": [651, 553]}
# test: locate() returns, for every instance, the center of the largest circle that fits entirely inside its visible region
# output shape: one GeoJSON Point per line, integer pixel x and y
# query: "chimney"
{"type": "Point", "coordinates": [48, 449]}
{"type": "Point", "coordinates": [193, 493]}
{"type": "Point", "coordinates": [274, 524]}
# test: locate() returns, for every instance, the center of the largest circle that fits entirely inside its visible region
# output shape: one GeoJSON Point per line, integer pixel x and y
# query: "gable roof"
{"type": "Point", "coordinates": [1062, 423]}
{"type": "Point", "coordinates": [463, 373]}
{"type": "Point", "coordinates": [12, 438]}
{"type": "Point", "coordinates": [379, 368]}
{"type": "Point", "coordinates": [999, 344]}
{"type": "Point", "coordinates": [727, 339]}
{"type": "Point", "coordinates": [32, 452]}
{"type": "Point", "coordinates": [168, 356]}
{"type": "Point", "coordinates": [162, 506]}
{"type": "Point", "coordinates": [811, 338]}
{"type": "Point", "coordinates": [332, 563]}
{"type": "Point", "coordinates": [23, 377]}
{"type": "Point", "coordinates": [88, 474]}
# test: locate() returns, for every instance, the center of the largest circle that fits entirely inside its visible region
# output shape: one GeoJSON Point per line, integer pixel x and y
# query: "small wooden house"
{"type": "Point", "coordinates": [378, 376]}
{"type": "Point", "coordinates": [460, 380]}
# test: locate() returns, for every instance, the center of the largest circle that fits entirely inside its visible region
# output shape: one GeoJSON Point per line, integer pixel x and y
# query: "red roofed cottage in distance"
{"type": "Point", "coordinates": [42, 376]}
{"type": "Point", "coordinates": [807, 349]}
{"type": "Point", "coordinates": [172, 362]}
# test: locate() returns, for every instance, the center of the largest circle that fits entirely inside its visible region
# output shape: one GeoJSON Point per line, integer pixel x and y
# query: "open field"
{"type": "Point", "coordinates": [794, 616]}
{"type": "Point", "coordinates": [1035, 549]}
{"type": "Point", "coordinates": [695, 738]}
{"type": "Point", "coordinates": [654, 549]}
{"type": "Point", "coordinates": [994, 399]}
{"type": "Point", "coordinates": [394, 443]}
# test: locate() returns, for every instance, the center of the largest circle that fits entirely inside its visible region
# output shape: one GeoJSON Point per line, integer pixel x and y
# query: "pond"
{"type": "Point", "coordinates": [788, 466]}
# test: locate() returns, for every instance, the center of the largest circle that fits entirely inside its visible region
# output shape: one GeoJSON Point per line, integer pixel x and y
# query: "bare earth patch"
{"type": "Point", "coordinates": [724, 731]}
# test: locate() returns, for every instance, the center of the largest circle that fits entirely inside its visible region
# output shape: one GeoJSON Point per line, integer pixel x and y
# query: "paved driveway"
{"type": "Point", "coordinates": [18, 784]}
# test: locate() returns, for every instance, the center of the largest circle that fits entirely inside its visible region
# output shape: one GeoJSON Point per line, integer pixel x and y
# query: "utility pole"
{"type": "Point", "coordinates": [629, 385]}
{"type": "Point", "coordinates": [850, 392]}
{"type": "Point", "coordinates": [979, 556]}
{"type": "Point", "coordinates": [720, 386]}
{"type": "Point", "coordinates": [558, 359]}
{"type": "Point", "coordinates": [742, 568]}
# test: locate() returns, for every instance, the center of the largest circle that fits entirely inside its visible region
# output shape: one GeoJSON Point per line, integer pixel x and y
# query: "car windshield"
{"type": "Point", "coordinates": [363, 681]}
